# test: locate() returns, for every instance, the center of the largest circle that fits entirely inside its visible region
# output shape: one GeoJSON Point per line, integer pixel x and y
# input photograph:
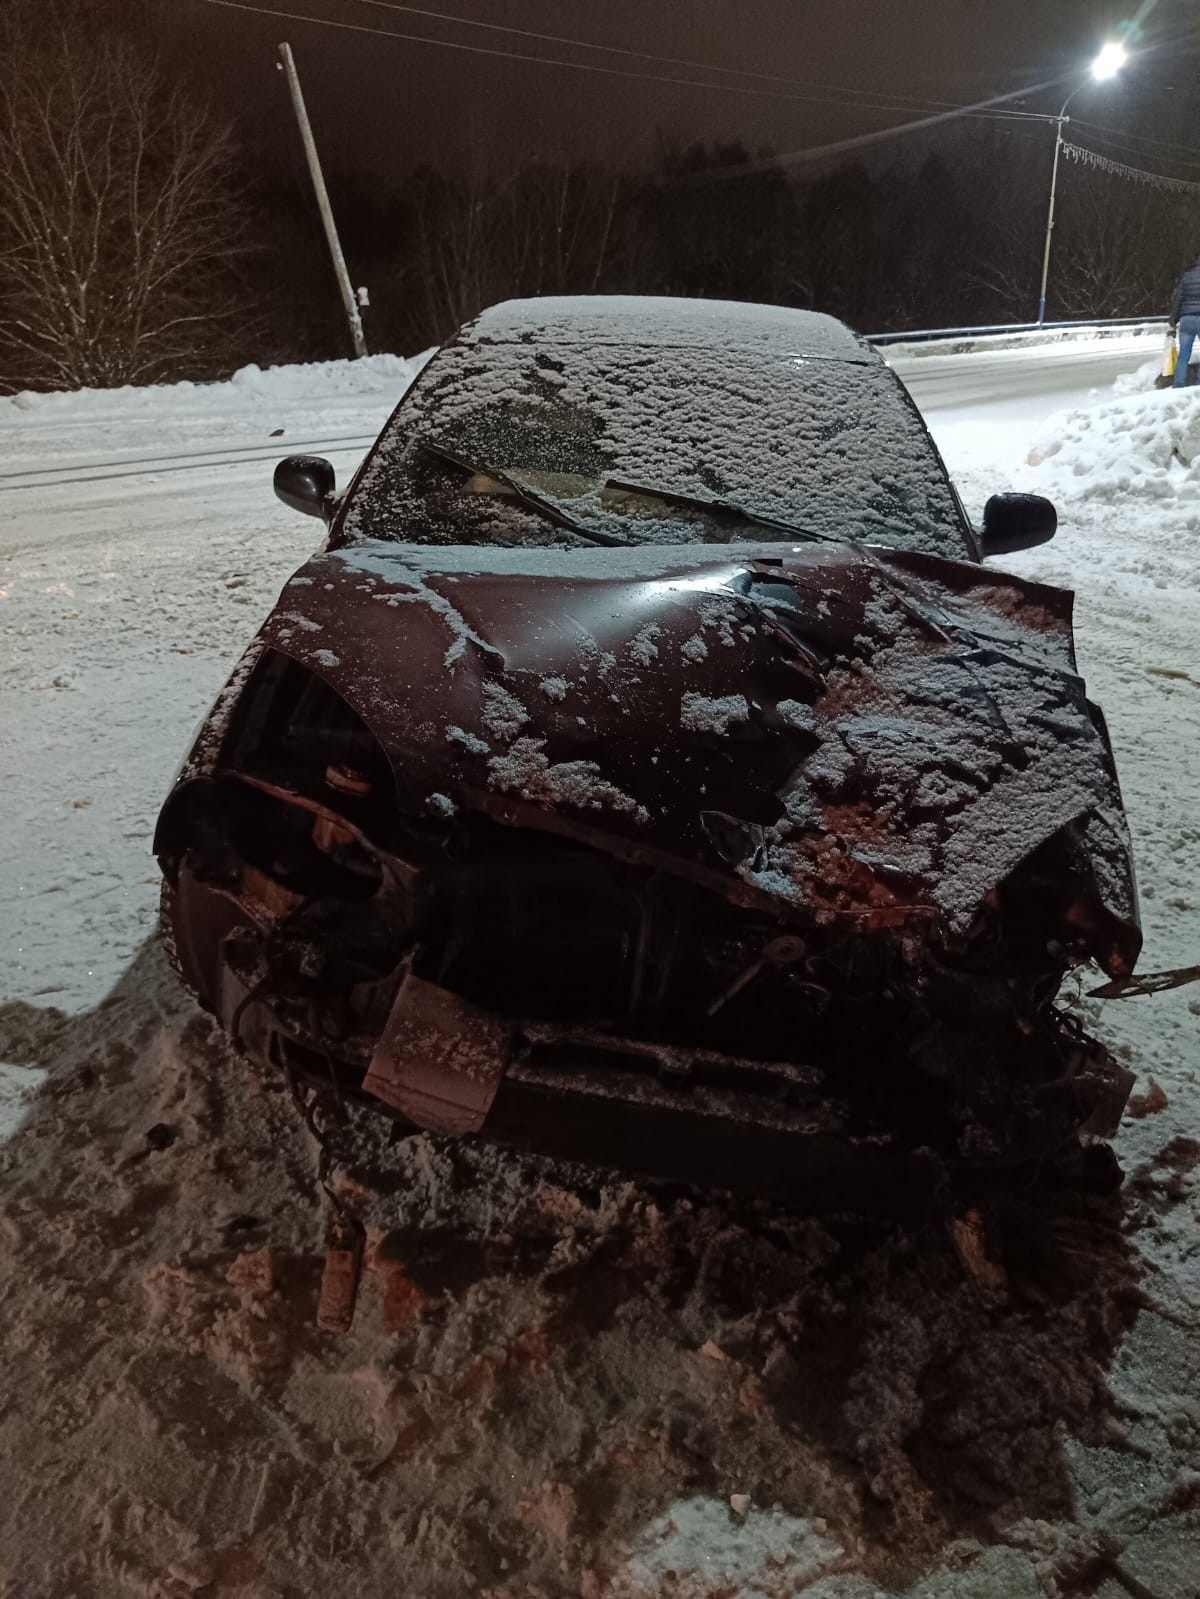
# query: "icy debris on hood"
{"type": "Point", "coordinates": [970, 757]}
{"type": "Point", "coordinates": [416, 592]}
{"type": "Point", "coordinates": [503, 714]}
{"type": "Point", "coordinates": [527, 771]}
{"type": "Point", "coordinates": [1019, 624]}
{"type": "Point", "coordinates": [700, 714]}
{"type": "Point", "coordinates": [720, 614]}
{"type": "Point", "coordinates": [797, 714]}
{"type": "Point", "coordinates": [643, 649]}
{"type": "Point", "coordinates": [469, 741]}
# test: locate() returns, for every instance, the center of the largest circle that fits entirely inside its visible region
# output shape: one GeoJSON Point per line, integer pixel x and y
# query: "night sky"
{"type": "Point", "coordinates": [381, 107]}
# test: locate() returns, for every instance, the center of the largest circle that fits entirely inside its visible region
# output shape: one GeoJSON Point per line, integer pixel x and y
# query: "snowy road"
{"type": "Point", "coordinates": [118, 465]}
{"type": "Point", "coordinates": [589, 1391]}
{"type": "Point", "coordinates": [1038, 379]}
{"type": "Point", "coordinates": [126, 586]}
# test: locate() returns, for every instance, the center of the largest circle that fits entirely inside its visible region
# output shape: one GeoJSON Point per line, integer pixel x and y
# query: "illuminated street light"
{"type": "Point", "coordinates": [1109, 62]}
{"type": "Point", "coordinates": [1105, 67]}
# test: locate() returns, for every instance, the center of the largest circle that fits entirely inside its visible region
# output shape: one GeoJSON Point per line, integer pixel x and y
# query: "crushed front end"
{"type": "Point", "coordinates": [751, 867]}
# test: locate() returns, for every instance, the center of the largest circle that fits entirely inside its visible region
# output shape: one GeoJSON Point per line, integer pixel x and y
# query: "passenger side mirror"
{"type": "Point", "coordinates": [306, 483]}
{"type": "Point", "coordinates": [1016, 522]}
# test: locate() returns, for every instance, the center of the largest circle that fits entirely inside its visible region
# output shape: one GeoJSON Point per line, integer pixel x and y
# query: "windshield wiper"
{"type": "Point", "coordinates": [527, 496]}
{"type": "Point", "coordinates": [721, 508]}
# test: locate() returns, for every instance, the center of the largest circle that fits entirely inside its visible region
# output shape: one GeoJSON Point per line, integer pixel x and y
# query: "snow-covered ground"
{"type": "Point", "coordinates": [587, 1390]}
{"type": "Point", "coordinates": [1015, 378]}
{"type": "Point", "coordinates": [123, 603]}
{"type": "Point", "coordinates": [1124, 472]}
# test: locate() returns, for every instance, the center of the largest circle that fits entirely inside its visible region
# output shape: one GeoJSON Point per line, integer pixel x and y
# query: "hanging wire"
{"type": "Point", "coordinates": [1117, 148]}
{"type": "Point", "coordinates": [1184, 151]}
{"type": "Point", "coordinates": [915, 103]}
{"type": "Point", "coordinates": [1118, 169]}
{"type": "Point", "coordinates": [990, 107]}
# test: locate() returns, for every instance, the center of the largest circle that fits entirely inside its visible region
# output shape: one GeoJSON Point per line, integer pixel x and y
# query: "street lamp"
{"type": "Point", "coordinates": [1104, 68]}
{"type": "Point", "coordinates": [1109, 62]}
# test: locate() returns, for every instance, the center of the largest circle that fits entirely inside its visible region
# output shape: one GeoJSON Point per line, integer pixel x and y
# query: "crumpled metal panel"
{"type": "Point", "coordinates": [202, 756]}
{"type": "Point", "coordinates": [440, 1059]}
{"type": "Point", "coordinates": [849, 733]}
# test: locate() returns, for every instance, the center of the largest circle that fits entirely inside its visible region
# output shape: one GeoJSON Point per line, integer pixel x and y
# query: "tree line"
{"type": "Point", "coordinates": [138, 245]}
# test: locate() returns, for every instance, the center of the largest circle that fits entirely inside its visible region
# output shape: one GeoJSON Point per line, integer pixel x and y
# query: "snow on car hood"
{"type": "Point", "coordinates": [835, 730]}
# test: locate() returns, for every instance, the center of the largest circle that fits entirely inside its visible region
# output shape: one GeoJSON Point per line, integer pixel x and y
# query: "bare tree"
{"type": "Point", "coordinates": [120, 222]}
{"type": "Point", "coordinates": [544, 228]}
{"type": "Point", "coordinates": [1123, 247]}
{"type": "Point", "coordinates": [1005, 276]}
{"type": "Point", "coordinates": [1117, 248]}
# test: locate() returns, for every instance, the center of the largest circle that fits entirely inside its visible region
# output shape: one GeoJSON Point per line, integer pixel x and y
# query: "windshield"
{"type": "Point", "coordinates": [512, 443]}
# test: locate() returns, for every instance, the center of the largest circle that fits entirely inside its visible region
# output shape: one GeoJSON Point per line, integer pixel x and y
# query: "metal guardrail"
{"type": "Point", "coordinates": [925, 335]}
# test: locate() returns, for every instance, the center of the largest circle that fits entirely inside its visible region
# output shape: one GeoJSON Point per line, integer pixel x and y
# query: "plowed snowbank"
{"type": "Point", "coordinates": [1139, 447]}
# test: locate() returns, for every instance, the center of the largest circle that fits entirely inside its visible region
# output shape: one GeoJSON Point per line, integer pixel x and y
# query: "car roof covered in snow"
{"type": "Point", "coordinates": [600, 403]}
{"type": "Point", "coordinates": [659, 321]}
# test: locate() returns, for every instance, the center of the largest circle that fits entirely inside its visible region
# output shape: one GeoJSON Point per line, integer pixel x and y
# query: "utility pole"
{"type": "Point", "coordinates": [1061, 120]}
{"type": "Point", "coordinates": [331, 233]}
{"type": "Point", "coordinates": [1105, 67]}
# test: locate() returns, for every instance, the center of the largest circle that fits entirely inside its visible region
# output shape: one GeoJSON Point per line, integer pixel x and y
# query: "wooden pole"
{"type": "Point", "coordinates": [331, 233]}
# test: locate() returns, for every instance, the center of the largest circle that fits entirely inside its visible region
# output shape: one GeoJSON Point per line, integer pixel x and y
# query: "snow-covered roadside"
{"type": "Point", "coordinates": [1125, 475]}
{"type": "Point", "coordinates": [36, 428]}
{"type": "Point", "coordinates": [122, 606]}
{"type": "Point", "coordinates": [1020, 377]}
{"type": "Point", "coordinates": [585, 1390]}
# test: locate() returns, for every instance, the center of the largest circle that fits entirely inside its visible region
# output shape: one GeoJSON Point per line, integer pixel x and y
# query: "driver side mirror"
{"type": "Point", "coordinates": [1016, 522]}
{"type": "Point", "coordinates": [306, 483]}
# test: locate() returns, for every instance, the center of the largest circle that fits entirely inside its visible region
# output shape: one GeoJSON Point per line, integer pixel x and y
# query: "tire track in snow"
{"type": "Point", "coordinates": [176, 461]}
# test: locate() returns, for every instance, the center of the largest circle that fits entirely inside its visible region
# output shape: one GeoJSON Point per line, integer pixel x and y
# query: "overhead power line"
{"type": "Point", "coordinates": [616, 72]}
{"type": "Point", "coordinates": [1122, 146]}
{"type": "Point", "coordinates": [537, 60]}
{"type": "Point", "coordinates": [916, 102]}
{"type": "Point", "coordinates": [858, 141]}
{"type": "Point", "coordinates": [1184, 150]}
{"type": "Point", "coordinates": [1118, 169]}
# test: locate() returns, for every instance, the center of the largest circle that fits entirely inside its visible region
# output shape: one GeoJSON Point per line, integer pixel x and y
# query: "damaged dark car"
{"type": "Point", "coordinates": [648, 772]}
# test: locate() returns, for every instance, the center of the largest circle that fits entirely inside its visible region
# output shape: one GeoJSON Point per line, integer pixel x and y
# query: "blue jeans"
{"type": "Point", "coordinates": [1189, 332]}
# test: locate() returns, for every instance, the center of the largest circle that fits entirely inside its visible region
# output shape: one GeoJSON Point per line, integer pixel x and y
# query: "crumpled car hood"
{"type": "Point", "coordinates": [833, 730]}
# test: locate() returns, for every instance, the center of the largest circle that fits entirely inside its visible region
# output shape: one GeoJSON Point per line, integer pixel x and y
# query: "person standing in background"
{"type": "Point", "coordinates": [1185, 320]}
